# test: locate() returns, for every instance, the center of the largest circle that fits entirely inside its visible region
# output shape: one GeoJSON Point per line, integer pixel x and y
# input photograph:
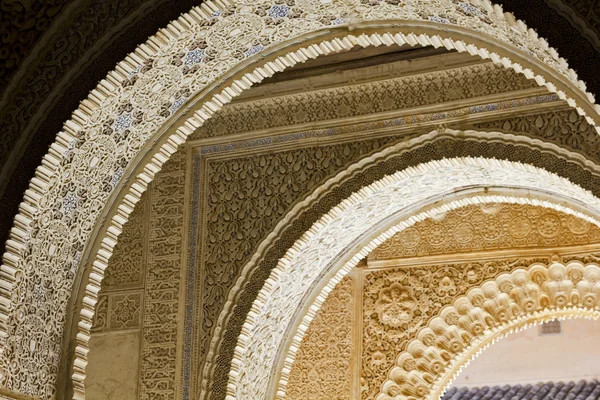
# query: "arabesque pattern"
{"type": "Point", "coordinates": [86, 163]}
{"type": "Point", "coordinates": [438, 350]}
{"type": "Point", "coordinates": [488, 227]}
{"type": "Point", "coordinates": [301, 269]}
{"type": "Point", "coordinates": [323, 365]}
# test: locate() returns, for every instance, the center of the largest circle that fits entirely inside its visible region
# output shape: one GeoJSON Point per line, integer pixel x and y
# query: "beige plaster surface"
{"type": "Point", "coordinates": [528, 357]}
{"type": "Point", "coordinates": [113, 366]}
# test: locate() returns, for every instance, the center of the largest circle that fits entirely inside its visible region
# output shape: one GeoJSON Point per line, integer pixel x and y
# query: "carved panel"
{"type": "Point", "coordinates": [126, 266]}
{"type": "Point", "coordinates": [356, 100]}
{"type": "Point", "coordinates": [247, 197]}
{"type": "Point", "coordinates": [157, 380]}
{"type": "Point", "coordinates": [565, 128]}
{"type": "Point", "coordinates": [322, 368]}
{"type": "Point", "coordinates": [90, 184]}
{"type": "Point", "coordinates": [518, 297]}
{"type": "Point", "coordinates": [398, 302]}
{"type": "Point", "coordinates": [488, 227]}
{"type": "Point", "coordinates": [125, 310]}
{"type": "Point", "coordinates": [122, 310]}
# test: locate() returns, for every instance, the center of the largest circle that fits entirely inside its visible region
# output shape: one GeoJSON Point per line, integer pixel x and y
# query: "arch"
{"type": "Point", "coordinates": [372, 169]}
{"type": "Point", "coordinates": [488, 312]}
{"type": "Point", "coordinates": [324, 255]}
{"type": "Point", "coordinates": [112, 169]}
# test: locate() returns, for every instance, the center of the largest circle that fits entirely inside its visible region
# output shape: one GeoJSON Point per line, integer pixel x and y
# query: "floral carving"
{"type": "Point", "coordinates": [323, 365]}
{"type": "Point", "coordinates": [396, 306]}
{"type": "Point", "coordinates": [368, 98]}
{"type": "Point", "coordinates": [94, 127]}
{"type": "Point", "coordinates": [488, 227]}
{"type": "Point", "coordinates": [294, 277]}
{"type": "Point", "coordinates": [434, 286]}
{"type": "Point", "coordinates": [425, 365]}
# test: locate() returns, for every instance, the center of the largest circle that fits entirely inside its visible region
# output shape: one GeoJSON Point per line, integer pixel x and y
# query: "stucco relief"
{"type": "Point", "coordinates": [362, 99]}
{"type": "Point", "coordinates": [112, 119]}
{"type": "Point", "coordinates": [488, 227]}
{"type": "Point", "coordinates": [472, 321]}
{"type": "Point", "coordinates": [336, 232]}
{"type": "Point", "coordinates": [396, 306]}
{"type": "Point", "coordinates": [433, 287]}
{"type": "Point", "coordinates": [323, 367]}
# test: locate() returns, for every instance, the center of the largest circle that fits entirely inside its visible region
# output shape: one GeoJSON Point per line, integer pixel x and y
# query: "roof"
{"type": "Point", "coordinates": [582, 390]}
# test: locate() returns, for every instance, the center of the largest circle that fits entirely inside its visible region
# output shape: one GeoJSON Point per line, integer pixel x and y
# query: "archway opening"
{"type": "Point", "coordinates": [555, 358]}
{"type": "Point", "coordinates": [388, 298]}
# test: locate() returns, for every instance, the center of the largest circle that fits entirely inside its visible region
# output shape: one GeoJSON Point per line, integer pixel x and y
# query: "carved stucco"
{"type": "Point", "coordinates": [582, 15]}
{"type": "Point", "coordinates": [323, 367]}
{"type": "Point", "coordinates": [445, 148]}
{"type": "Point", "coordinates": [399, 301]}
{"type": "Point", "coordinates": [493, 226]}
{"type": "Point", "coordinates": [22, 23]}
{"type": "Point", "coordinates": [351, 101]}
{"type": "Point", "coordinates": [295, 276]}
{"type": "Point", "coordinates": [464, 230]}
{"type": "Point", "coordinates": [273, 188]}
{"type": "Point", "coordinates": [84, 183]}
{"type": "Point", "coordinates": [142, 291]}
{"type": "Point", "coordinates": [429, 289]}
{"type": "Point", "coordinates": [511, 300]}
{"type": "Point", "coordinates": [325, 161]}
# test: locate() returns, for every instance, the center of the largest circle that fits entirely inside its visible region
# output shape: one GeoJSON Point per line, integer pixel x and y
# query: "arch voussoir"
{"type": "Point", "coordinates": [512, 301]}
{"type": "Point", "coordinates": [105, 158]}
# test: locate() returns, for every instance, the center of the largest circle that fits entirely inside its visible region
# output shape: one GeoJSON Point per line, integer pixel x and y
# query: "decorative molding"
{"type": "Point", "coordinates": [432, 288]}
{"type": "Point", "coordinates": [357, 216]}
{"type": "Point", "coordinates": [282, 238]}
{"type": "Point", "coordinates": [160, 326]}
{"type": "Point", "coordinates": [119, 117]}
{"type": "Point", "coordinates": [378, 97]}
{"type": "Point", "coordinates": [514, 299]}
{"type": "Point", "coordinates": [487, 228]}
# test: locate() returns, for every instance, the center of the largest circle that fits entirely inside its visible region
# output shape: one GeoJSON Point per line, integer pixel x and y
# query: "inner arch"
{"type": "Point", "coordinates": [319, 259]}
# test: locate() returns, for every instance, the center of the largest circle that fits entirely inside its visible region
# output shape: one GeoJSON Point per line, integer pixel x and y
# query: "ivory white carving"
{"type": "Point", "coordinates": [83, 167]}
{"type": "Point", "coordinates": [301, 270]}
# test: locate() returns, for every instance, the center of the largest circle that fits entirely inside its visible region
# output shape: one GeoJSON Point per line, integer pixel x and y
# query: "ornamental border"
{"type": "Point", "coordinates": [165, 145]}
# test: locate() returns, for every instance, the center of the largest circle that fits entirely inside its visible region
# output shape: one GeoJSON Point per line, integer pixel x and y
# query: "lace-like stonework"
{"type": "Point", "coordinates": [486, 228]}
{"type": "Point", "coordinates": [322, 369]}
{"type": "Point", "coordinates": [511, 300]}
{"type": "Point", "coordinates": [433, 287]}
{"type": "Point", "coordinates": [90, 156]}
{"type": "Point", "coordinates": [298, 271]}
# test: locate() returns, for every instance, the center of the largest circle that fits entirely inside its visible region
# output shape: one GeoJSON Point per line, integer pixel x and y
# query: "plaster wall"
{"type": "Point", "coordinates": [113, 366]}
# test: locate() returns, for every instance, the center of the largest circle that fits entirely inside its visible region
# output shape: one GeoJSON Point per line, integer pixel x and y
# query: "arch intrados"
{"type": "Point", "coordinates": [549, 315]}
{"type": "Point", "coordinates": [487, 338]}
{"type": "Point", "coordinates": [306, 298]}
{"type": "Point", "coordinates": [381, 158]}
{"type": "Point", "coordinates": [163, 144]}
{"type": "Point", "coordinates": [431, 207]}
